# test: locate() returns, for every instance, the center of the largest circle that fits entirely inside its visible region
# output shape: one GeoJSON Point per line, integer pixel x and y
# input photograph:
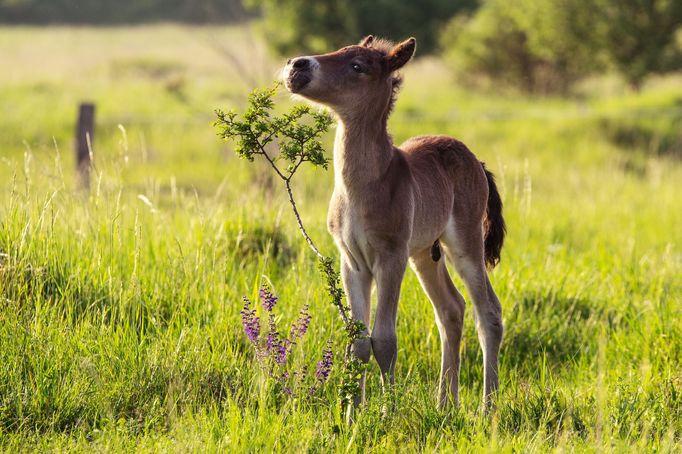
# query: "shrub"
{"type": "Point", "coordinates": [640, 37]}
{"type": "Point", "coordinates": [536, 46]}
{"type": "Point", "coordinates": [546, 46]}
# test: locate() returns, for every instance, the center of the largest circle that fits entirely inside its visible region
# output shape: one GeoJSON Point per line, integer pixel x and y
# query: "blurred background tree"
{"type": "Point", "coordinates": [539, 47]}
{"type": "Point", "coordinates": [640, 37]}
{"type": "Point", "coordinates": [297, 26]}
{"type": "Point", "coordinates": [545, 47]}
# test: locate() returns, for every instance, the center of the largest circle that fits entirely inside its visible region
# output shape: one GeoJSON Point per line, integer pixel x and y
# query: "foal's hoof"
{"type": "Point", "coordinates": [384, 411]}
{"type": "Point", "coordinates": [447, 402]}
{"type": "Point", "coordinates": [488, 407]}
{"type": "Point", "coordinates": [389, 405]}
{"type": "Point", "coordinates": [350, 410]}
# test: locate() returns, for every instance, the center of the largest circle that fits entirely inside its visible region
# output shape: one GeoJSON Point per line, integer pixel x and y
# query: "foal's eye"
{"type": "Point", "coordinates": [357, 68]}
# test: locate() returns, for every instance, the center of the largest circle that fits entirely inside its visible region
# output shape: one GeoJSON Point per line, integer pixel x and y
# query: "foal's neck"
{"type": "Point", "coordinates": [362, 151]}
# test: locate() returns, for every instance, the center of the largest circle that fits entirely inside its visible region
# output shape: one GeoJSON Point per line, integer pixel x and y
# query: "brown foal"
{"type": "Point", "coordinates": [392, 206]}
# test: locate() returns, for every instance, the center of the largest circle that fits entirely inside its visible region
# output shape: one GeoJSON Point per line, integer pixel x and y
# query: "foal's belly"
{"type": "Point", "coordinates": [424, 239]}
{"type": "Point", "coordinates": [354, 240]}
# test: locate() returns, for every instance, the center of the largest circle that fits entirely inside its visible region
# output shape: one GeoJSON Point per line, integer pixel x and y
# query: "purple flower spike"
{"type": "Point", "coordinates": [267, 298]}
{"type": "Point", "coordinates": [324, 367]}
{"type": "Point", "coordinates": [274, 349]}
{"type": "Point", "coordinates": [277, 349]}
{"type": "Point", "coordinates": [250, 321]}
{"type": "Point", "coordinates": [300, 326]}
{"type": "Point", "coordinates": [281, 354]}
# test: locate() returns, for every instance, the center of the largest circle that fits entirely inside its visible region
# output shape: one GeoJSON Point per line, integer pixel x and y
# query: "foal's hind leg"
{"type": "Point", "coordinates": [448, 305]}
{"type": "Point", "coordinates": [464, 246]}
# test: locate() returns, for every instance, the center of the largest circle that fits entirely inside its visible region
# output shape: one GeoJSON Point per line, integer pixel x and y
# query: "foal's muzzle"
{"type": "Point", "coordinates": [298, 74]}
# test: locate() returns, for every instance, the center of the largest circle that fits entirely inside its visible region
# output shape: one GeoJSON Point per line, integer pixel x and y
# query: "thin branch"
{"type": "Point", "coordinates": [308, 240]}
{"type": "Point", "coordinates": [296, 166]}
{"type": "Point", "coordinates": [271, 161]}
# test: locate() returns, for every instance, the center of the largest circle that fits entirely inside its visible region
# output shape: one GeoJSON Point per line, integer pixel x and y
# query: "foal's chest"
{"type": "Point", "coordinates": [347, 222]}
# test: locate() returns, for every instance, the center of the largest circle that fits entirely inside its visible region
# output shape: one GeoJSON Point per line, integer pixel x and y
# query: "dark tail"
{"type": "Point", "coordinates": [495, 228]}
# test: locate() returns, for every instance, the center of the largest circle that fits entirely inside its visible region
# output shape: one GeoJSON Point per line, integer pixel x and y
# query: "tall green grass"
{"type": "Point", "coordinates": [119, 308]}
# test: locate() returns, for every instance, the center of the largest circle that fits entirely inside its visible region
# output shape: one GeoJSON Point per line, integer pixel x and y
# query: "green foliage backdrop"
{"type": "Point", "coordinates": [640, 36]}
{"type": "Point", "coordinates": [301, 26]}
{"type": "Point", "coordinates": [547, 46]}
{"type": "Point", "coordinates": [538, 47]}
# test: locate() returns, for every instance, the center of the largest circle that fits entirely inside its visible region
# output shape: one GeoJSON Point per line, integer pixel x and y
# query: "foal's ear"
{"type": "Point", "coordinates": [401, 54]}
{"type": "Point", "coordinates": [366, 41]}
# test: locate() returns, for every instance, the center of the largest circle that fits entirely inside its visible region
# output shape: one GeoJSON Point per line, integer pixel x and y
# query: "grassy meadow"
{"type": "Point", "coordinates": [119, 308]}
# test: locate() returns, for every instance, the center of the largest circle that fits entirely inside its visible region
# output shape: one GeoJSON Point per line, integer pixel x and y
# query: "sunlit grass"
{"type": "Point", "coordinates": [119, 314]}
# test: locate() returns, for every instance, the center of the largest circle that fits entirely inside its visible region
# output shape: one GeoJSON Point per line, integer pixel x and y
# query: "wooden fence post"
{"type": "Point", "coordinates": [84, 135]}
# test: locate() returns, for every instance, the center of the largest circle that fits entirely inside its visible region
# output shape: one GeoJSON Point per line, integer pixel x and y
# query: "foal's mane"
{"type": "Point", "coordinates": [384, 46]}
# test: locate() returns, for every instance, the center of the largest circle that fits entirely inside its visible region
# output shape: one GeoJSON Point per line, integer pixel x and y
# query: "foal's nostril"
{"type": "Point", "coordinates": [301, 63]}
{"type": "Point", "coordinates": [289, 61]}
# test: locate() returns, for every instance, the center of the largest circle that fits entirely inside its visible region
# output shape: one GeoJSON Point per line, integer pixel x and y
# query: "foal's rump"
{"type": "Point", "coordinates": [451, 181]}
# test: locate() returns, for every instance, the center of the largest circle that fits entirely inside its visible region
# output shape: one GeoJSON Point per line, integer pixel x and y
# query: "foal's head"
{"type": "Point", "coordinates": [354, 79]}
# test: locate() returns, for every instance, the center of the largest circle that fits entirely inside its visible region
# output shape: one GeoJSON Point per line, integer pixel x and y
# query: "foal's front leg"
{"type": "Point", "coordinates": [388, 273]}
{"type": "Point", "coordinates": [357, 283]}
